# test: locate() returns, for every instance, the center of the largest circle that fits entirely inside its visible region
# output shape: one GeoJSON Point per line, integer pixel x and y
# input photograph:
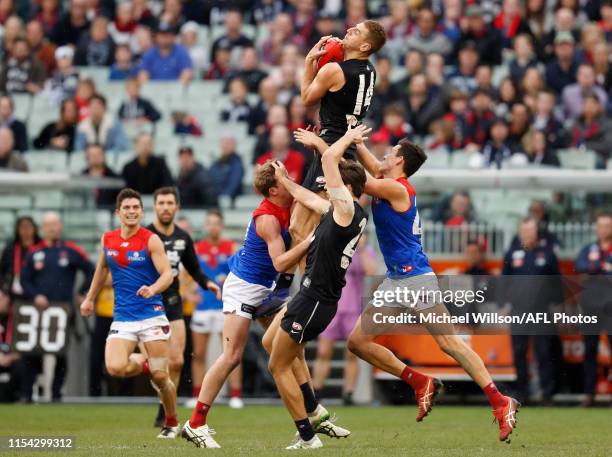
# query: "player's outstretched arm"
{"type": "Point", "coordinates": [339, 194]}
{"type": "Point", "coordinates": [299, 193]}
{"type": "Point", "coordinates": [162, 265]}
{"type": "Point", "coordinates": [310, 140]}
{"type": "Point", "coordinates": [97, 282]}
{"type": "Point", "coordinates": [368, 160]}
{"type": "Point", "coordinates": [268, 228]}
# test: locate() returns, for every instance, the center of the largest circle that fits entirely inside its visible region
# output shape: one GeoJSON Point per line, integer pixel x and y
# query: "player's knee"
{"type": "Point", "coordinates": [176, 362]}
{"type": "Point", "coordinates": [267, 341]}
{"type": "Point", "coordinates": [355, 343]}
{"type": "Point", "coordinates": [160, 378]}
{"type": "Point", "coordinates": [274, 367]}
{"type": "Point", "coordinates": [232, 358]}
{"type": "Point", "coordinates": [324, 352]}
{"type": "Point", "coordinates": [449, 344]}
{"type": "Point", "coordinates": [115, 369]}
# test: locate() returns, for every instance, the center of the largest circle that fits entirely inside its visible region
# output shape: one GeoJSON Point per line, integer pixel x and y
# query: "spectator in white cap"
{"type": "Point", "coordinates": [189, 39]}
{"type": "Point", "coordinates": [65, 79]}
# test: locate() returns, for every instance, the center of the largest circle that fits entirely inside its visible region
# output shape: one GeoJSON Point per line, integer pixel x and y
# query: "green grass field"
{"type": "Point", "coordinates": [107, 430]}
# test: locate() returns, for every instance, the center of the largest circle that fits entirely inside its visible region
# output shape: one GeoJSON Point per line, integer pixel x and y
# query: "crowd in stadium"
{"type": "Point", "coordinates": [495, 78]}
{"type": "Point", "coordinates": [501, 80]}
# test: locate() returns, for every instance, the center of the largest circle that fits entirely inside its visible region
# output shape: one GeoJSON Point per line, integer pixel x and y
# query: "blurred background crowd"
{"type": "Point", "coordinates": [194, 93]}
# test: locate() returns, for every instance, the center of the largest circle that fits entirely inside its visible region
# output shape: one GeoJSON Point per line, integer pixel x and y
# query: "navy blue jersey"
{"type": "Point", "coordinates": [51, 270]}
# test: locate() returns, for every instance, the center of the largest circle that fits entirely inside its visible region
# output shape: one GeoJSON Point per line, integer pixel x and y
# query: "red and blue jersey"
{"type": "Point", "coordinates": [252, 263]}
{"type": "Point", "coordinates": [399, 236]}
{"type": "Point", "coordinates": [131, 268]}
{"type": "Point", "coordinates": [214, 261]}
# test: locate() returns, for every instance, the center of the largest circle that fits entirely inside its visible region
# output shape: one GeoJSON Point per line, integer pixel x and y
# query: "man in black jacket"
{"type": "Point", "coordinates": [146, 173]}
{"type": "Point", "coordinates": [193, 183]}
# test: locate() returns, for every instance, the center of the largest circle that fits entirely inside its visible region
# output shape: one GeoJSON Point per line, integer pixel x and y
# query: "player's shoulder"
{"type": "Point", "coordinates": [111, 235]}
{"type": "Point", "coordinates": [181, 234]}
{"type": "Point", "coordinates": [404, 182]}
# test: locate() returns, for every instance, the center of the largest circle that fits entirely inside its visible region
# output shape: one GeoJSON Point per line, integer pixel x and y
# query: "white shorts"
{"type": "Point", "coordinates": [242, 298]}
{"type": "Point", "coordinates": [415, 292]}
{"type": "Point", "coordinates": [207, 321]}
{"type": "Point", "coordinates": [152, 329]}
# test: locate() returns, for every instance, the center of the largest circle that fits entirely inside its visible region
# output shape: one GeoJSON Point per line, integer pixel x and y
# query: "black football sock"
{"type": "Point", "coordinates": [305, 429]}
{"type": "Point", "coordinates": [310, 401]}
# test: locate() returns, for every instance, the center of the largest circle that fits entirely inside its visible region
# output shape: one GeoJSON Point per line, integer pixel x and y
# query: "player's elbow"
{"type": "Point", "coordinates": [281, 264]}
{"type": "Point", "coordinates": [309, 99]}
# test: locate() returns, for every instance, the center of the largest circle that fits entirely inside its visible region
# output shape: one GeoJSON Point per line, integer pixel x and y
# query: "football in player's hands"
{"type": "Point", "coordinates": [334, 52]}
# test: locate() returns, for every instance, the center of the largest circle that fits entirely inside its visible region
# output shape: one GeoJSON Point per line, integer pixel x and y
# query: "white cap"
{"type": "Point", "coordinates": [64, 52]}
{"type": "Point", "coordinates": [190, 26]}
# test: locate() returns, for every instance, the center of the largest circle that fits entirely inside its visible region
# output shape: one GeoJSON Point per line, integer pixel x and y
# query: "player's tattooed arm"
{"type": "Point", "coordinates": [97, 282]}
{"type": "Point", "coordinates": [268, 228]}
{"type": "Point", "coordinates": [162, 265]}
{"type": "Point", "coordinates": [299, 193]}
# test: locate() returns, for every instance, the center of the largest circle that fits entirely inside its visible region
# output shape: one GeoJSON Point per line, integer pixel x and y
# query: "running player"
{"type": "Point", "coordinates": [214, 253]}
{"type": "Point", "coordinates": [329, 255]}
{"type": "Point", "coordinates": [398, 229]}
{"type": "Point", "coordinates": [253, 273]}
{"type": "Point", "coordinates": [140, 272]}
{"type": "Point", "coordinates": [345, 91]}
{"type": "Point", "coordinates": [180, 250]}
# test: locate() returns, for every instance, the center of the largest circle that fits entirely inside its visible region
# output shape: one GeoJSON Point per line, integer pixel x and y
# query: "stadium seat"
{"type": "Point", "coordinates": [460, 159]}
{"type": "Point", "coordinates": [436, 160]}
{"type": "Point", "coordinates": [52, 161]}
{"type": "Point", "coordinates": [15, 201]}
{"type": "Point", "coordinates": [99, 75]}
{"type": "Point", "coordinates": [577, 159]}
{"type": "Point", "coordinates": [77, 162]}
{"type": "Point", "coordinates": [23, 106]}
{"type": "Point", "coordinates": [247, 202]}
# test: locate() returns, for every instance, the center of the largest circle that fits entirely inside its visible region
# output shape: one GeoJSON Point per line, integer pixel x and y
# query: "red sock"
{"type": "Point", "coordinates": [235, 392]}
{"type": "Point", "coordinates": [171, 421]}
{"type": "Point", "coordinates": [415, 379]}
{"type": "Point", "coordinates": [199, 415]}
{"type": "Point", "coordinates": [195, 392]}
{"type": "Point", "coordinates": [145, 367]}
{"type": "Point", "coordinates": [495, 397]}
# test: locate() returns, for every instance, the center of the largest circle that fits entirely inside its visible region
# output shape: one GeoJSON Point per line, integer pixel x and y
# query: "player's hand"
{"type": "Point", "coordinates": [358, 134]}
{"type": "Point", "coordinates": [280, 171]}
{"type": "Point", "coordinates": [316, 50]}
{"type": "Point", "coordinates": [41, 302]}
{"type": "Point", "coordinates": [145, 292]}
{"type": "Point", "coordinates": [306, 137]}
{"type": "Point", "coordinates": [87, 307]}
{"type": "Point", "coordinates": [214, 288]}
